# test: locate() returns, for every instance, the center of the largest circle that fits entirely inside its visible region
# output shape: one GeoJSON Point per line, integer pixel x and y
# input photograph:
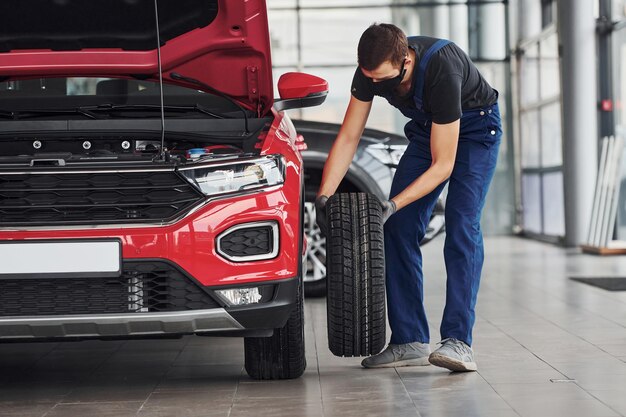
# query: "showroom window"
{"type": "Point", "coordinates": [540, 139]}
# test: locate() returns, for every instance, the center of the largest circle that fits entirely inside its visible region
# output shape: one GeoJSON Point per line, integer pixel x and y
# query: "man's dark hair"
{"type": "Point", "coordinates": [379, 43]}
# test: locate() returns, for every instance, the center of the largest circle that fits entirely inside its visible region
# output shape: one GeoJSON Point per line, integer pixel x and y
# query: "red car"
{"type": "Point", "coordinates": [150, 184]}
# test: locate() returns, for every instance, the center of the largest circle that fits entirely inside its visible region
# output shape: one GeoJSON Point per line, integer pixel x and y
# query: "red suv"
{"type": "Point", "coordinates": [150, 185]}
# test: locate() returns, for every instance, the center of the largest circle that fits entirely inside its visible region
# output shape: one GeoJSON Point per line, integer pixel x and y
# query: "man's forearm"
{"type": "Point", "coordinates": [443, 145]}
{"type": "Point", "coordinates": [423, 185]}
{"type": "Point", "coordinates": [337, 165]}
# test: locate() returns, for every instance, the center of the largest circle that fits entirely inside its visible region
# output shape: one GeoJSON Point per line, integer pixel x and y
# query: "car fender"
{"type": "Point", "coordinates": [356, 175]}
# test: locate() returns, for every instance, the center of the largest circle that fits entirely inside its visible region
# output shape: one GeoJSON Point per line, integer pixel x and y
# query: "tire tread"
{"type": "Point", "coordinates": [356, 275]}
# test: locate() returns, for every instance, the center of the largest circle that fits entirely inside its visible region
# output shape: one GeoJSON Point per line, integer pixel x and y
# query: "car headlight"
{"type": "Point", "coordinates": [387, 154]}
{"type": "Point", "coordinates": [235, 175]}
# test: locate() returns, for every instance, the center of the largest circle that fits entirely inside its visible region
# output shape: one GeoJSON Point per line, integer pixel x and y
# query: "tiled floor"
{"type": "Point", "coordinates": [545, 346]}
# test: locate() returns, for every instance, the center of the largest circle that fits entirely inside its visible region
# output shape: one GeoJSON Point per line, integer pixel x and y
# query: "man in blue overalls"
{"type": "Point", "coordinates": [454, 135]}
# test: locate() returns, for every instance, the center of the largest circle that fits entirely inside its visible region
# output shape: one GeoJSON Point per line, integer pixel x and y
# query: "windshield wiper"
{"type": "Point", "coordinates": [113, 107]}
{"type": "Point", "coordinates": [180, 77]}
{"type": "Point", "coordinates": [23, 114]}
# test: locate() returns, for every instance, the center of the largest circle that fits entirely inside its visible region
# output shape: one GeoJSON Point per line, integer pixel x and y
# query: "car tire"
{"type": "Point", "coordinates": [314, 286]}
{"type": "Point", "coordinates": [356, 275]}
{"type": "Point", "coordinates": [280, 356]}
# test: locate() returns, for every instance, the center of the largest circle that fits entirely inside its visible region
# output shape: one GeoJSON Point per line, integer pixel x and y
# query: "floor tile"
{"type": "Point", "coordinates": [100, 409]}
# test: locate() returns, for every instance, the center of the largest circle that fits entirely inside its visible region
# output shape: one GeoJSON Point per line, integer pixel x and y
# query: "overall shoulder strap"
{"type": "Point", "coordinates": [419, 81]}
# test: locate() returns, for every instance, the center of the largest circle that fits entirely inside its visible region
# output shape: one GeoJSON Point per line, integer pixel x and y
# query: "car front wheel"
{"type": "Point", "coordinates": [280, 356]}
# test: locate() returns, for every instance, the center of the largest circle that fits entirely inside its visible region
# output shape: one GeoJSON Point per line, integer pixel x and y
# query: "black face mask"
{"type": "Point", "coordinates": [388, 87]}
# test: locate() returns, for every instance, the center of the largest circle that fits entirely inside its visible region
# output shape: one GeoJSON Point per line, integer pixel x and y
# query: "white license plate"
{"type": "Point", "coordinates": [92, 258]}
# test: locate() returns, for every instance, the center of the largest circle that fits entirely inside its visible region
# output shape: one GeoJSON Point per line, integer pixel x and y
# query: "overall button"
{"type": "Point", "coordinates": [489, 111]}
{"type": "Point", "coordinates": [482, 113]}
{"type": "Point", "coordinates": [493, 132]}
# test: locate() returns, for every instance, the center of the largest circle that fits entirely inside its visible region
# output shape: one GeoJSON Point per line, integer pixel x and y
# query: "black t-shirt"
{"type": "Point", "coordinates": [452, 83]}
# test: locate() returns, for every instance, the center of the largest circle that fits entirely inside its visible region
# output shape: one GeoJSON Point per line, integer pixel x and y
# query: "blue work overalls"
{"type": "Point", "coordinates": [479, 140]}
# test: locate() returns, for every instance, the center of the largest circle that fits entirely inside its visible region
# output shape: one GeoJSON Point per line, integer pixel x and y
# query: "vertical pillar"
{"type": "Point", "coordinates": [459, 22]}
{"type": "Point", "coordinates": [491, 31]}
{"type": "Point", "coordinates": [577, 38]}
{"type": "Point", "coordinates": [441, 23]}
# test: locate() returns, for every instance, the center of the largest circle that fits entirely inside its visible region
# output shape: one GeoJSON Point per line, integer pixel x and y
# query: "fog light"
{"type": "Point", "coordinates": [240, 296]}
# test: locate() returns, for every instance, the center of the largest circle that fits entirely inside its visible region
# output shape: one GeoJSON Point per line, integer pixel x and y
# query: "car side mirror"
{"type": "Point", "coordinates": [298, 90]}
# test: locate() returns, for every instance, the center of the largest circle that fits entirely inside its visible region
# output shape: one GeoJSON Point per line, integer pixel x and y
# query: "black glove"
{"type": "Point", "coordinates": [389, 207]}
{"type": "Point", "coordinates": [320, 214]}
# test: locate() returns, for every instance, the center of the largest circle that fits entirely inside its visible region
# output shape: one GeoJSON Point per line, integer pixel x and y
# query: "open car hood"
{"type": "Point", "coordinates": [223, 43]}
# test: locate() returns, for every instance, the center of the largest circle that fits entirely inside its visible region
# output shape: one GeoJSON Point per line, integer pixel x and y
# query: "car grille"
{"type": "Point", "coordinates": [94, 198]}
{"type": "Point", "coordinates": [143, 287]}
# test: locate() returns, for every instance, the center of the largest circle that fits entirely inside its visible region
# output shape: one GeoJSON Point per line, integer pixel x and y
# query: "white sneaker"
{"type": "Point", "coordinates": [454, 355]}
{"type": "Point", "coordinates": [408, 354]}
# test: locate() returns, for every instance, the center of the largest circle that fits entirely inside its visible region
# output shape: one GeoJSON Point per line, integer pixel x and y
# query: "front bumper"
{"type": "Point", "coordinates": [251, 320]}
{"type": "Point", "coordinates": [116, 325]}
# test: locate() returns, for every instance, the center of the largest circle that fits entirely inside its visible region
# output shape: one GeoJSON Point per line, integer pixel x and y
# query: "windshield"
{"type": "Point", "coordinates": [99, 94]}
